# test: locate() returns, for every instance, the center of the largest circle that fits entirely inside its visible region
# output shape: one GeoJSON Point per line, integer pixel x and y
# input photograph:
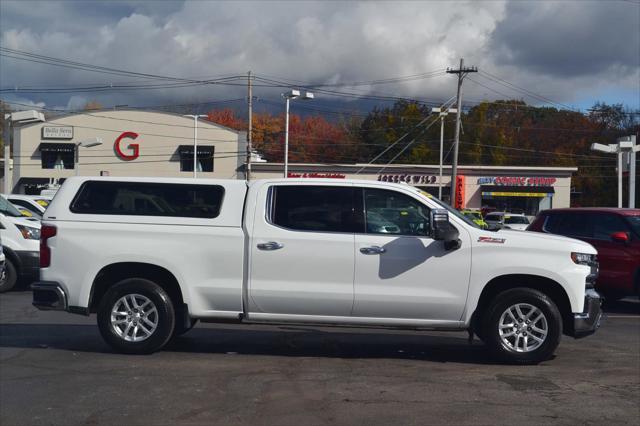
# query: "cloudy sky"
{"type": "Point", "coordinates": [567, 52]}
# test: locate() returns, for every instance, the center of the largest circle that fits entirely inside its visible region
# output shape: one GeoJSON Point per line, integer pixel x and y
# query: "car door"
{"type": "Point", "coordinates": [616, 259]}
{"type": "Point", "coordinates": [400, 271]}
{"type": "Point", "coordinates": [302, 256]}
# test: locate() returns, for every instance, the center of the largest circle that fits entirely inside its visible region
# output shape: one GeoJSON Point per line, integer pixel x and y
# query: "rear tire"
{"type": "Point", "coordinates": [10, 276]}
{"type": "Point", "coordinates": [522, 326]}
{"type": "Point", "coordinates": [136, 316]}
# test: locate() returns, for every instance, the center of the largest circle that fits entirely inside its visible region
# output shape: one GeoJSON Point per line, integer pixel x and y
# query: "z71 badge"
{"type": "Point", "coordinates": [491, 240]}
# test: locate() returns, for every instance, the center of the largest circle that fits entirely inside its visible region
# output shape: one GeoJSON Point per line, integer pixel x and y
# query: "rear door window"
{"type": "Point", "coordinates": [148, 199]}
{"type": "Point", "coordinates": [315, 208]}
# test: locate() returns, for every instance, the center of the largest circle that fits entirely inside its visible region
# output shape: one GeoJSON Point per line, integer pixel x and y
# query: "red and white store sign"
{"type": "Point", "coordinates": [317, 175]}
{"type": "Point", "coordinates": [134, 147]}
{"type": "Point", "coordinates": [517, 181]}
{"type": "Point", "coordinates": [412, 179]}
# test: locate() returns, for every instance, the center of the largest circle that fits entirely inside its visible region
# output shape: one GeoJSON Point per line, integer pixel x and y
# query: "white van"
{"type": "Point", "coordinates": [21, 246]}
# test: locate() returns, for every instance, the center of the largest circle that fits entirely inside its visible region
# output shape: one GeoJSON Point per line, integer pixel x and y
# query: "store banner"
{"type": "Point", "coordinates": [517, 194]}
{"type": "Point", "coordinates": [460, 200]}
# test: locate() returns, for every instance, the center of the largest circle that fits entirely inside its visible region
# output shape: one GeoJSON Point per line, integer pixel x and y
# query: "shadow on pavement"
{"type": "Point", "coordinates": [288, 342]}
{"type": "Point", "coordinates": [629, 305]}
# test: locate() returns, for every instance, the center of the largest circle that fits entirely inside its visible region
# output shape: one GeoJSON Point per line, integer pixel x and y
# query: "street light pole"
{"type": "Point", "coordinates": [291, 94]}
{"type": "Point", "coordinates": [624, 145]}
{"type": "Point", "coordinates": [86, 144]}
{"type": "Point", "coordinates": [443, 113]}
{"type": "Point", "coordinates": [286, 138]}
{"type": "Point", "coordinates": [19, 117]}
{"type": "Point", "coordinates": [195, 142]}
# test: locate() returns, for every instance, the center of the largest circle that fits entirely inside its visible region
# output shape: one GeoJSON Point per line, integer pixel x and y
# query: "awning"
{"type": "Point", "coordinates": [57, 147]}
{"type": "Point", "coordinates": [490, 191]}
{"type": "Point", "coordinates": [204, 150]}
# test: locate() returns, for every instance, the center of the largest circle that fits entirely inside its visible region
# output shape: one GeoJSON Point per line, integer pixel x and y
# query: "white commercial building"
{"type": "Point", "coordinates": [134, 143]}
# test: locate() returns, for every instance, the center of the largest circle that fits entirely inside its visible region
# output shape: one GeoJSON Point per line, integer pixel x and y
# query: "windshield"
{"type": "Point", "coordinates": [7, 209]}
{"type": "Point", "coordinates": [516, 219]}
{"type": "Point", "coordinates": [634, 221]}
{"type": "Point", "coordinates": [450, 209]}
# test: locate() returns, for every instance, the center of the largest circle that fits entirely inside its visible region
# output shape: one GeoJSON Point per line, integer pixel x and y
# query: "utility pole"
{"type": "Point", "coordinates": [462, 72]}
{"type": "Point", "coordinates": [249, 138]}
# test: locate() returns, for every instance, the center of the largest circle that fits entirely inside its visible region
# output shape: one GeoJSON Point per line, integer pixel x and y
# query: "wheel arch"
{"type": "Point", "coordinates": [547, 286]}
{"type": "Point", "coordinates": [10, 255]}
{"type": "Point", "coordinates": [113, 273]}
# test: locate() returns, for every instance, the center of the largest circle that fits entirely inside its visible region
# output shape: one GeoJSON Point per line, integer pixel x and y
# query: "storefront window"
{"type": "Point", "coordinates": [204, 158]}
{"type": "Point", "coordinates": [57, 155]}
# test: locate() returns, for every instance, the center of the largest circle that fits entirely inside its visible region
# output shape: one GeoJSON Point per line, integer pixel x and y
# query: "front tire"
{"type": "Point", "coordinates": [136, 316]}
{"type": "Point", "coordinates": [10, 276]}
{"type": "Point", "coordinates": [522, 326]}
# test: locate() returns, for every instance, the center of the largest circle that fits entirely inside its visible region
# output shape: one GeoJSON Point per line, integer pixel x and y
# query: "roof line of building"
{"type": "Point", "coordinates": [90, 113]}
{"type": "Point", "coordinates": [414, 166]}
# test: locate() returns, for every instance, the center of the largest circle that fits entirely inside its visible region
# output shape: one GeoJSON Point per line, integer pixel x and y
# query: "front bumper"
{"type": "Point", "coordinates": [49, 296]}
{"type": "Point", "coordinates": [588, 321]}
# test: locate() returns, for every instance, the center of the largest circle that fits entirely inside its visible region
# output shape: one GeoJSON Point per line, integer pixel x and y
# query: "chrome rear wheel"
{"type": "Point", "coordinates": [134, 317]}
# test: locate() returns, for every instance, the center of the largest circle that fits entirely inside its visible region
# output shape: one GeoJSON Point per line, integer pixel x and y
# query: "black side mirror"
{"type": "Point", "coordinates": [442, 230]}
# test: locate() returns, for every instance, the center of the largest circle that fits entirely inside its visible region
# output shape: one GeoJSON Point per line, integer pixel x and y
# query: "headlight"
{"type": "Point", "coordinates": [28, 232]}
{"type": "Point", "coordinates": [584, 258]}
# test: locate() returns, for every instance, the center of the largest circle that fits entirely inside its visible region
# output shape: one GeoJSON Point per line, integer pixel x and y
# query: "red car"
{"type": "Point", "coordinates": [615, 233]}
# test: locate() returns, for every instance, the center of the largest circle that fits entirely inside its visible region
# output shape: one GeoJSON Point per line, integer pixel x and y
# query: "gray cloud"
{"type": "Point", "coordinates": [333, 42]}
{"type": "Point", "coordinates": [569, 38]}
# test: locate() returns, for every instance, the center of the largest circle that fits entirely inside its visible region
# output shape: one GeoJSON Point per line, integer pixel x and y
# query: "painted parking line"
{"type": "Point", "coordinates": [622, 316]}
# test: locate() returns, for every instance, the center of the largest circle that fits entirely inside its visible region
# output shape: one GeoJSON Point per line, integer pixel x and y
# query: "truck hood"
{"type": "Point", "coordinates": [24, 221]}
{"type": "Point", "coordinates": [540, 241]}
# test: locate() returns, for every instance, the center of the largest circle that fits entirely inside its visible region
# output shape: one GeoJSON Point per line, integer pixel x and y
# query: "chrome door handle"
{"type": "Point", "coordinates": [271, 245]}
{"type": "Point", "coordinates": [373, 250]}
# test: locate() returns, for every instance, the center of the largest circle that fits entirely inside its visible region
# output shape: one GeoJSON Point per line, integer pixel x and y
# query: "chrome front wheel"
{"type": "Point", "coordinates": [523, 327]}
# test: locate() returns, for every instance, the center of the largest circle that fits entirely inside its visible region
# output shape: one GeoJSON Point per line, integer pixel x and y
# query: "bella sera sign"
{"type": "Point", "coordinates": [517, 181]}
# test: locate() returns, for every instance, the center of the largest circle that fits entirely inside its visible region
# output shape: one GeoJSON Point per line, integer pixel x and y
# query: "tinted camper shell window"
{"type": "Point", "coordinates": [148, 199]}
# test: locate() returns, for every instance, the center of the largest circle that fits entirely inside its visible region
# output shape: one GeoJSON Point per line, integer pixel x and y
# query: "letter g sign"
{"type": "Point", "coordinates": [134, 146]}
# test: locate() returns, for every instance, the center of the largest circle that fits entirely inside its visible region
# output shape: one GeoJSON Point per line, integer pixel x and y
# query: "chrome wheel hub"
{"type": "Point", "coordinates": [523, 327]}
{"type": "Point", "coordinates": [134, 317]}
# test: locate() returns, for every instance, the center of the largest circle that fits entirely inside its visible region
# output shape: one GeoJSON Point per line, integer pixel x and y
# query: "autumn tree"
{"type": "Point", "coordinates": [92, 105]}
{"type": "Point", "coordinates": [226, 117]}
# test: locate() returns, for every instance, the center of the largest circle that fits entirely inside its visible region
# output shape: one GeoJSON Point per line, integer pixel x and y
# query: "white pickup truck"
{"type": "Point", "coordinates": [151, 256]}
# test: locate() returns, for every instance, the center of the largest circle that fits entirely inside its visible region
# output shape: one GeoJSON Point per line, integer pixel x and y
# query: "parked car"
{"type": "Point", "coordinates": [33, 204]}
{"type": "Point", "coordinates": [25, 213]}
{"type": "Point", "coordinates": [615, 233]}
{"type": "Point", "coordinates": [3, 274]}
{"type": "Point", "coordinates": [476, 217]}
{"type": "Point", "coordinates": [20, 241]}
{"type": "Point", "coordinates": [499, 220]}
{"type": "Point", "coordinates": [301, 251]}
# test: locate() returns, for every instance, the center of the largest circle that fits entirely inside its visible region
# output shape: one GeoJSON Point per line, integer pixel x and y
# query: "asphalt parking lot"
{"type": "Point", "coordinates": [55, 369]}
